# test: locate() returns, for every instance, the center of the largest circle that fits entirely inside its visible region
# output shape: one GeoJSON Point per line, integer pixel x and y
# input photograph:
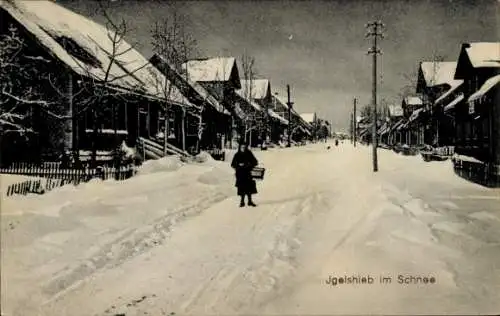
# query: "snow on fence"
{"type": "Point", "coordinates": [477, 171]}
{"type": "Point", "coordinates": [54, 176]}
{"type": "Point", "coordinates": [155, 150]}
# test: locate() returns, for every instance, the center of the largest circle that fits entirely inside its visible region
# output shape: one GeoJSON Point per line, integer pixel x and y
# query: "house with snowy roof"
{"type": "Point", "coordinates": [215, 119]}
{"type": "Point", "coordinates": [477, 119]}
{"type": "Point", "coordinates": [92, 91]}
{"type": "Point", "coordinates": [395, 111]}
{"type": "Point", "coordinates": [256, 89]}
{"type": "Point", "coordinates": [279, 106]}
{"type": "Point", "coordinates": [259, 91]}
{"type": "Point", "coordinates": [414, 114]}
{"type": "Point", "coordinates": [310, 118]}
{"type": "Point", "coordinates": [434, 79]}
{"type": "Point", "coordinates": [411, 103]}
{"type": "Point", "coordinates": [395, 119]}
{"type": "Point", "coordinates": [220, 76]}
{"type": "Point", "coordinates": [298, 128]}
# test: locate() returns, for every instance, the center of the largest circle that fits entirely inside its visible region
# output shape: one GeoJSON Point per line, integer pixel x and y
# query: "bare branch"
{"type": "Point", "coordinates": [25, 101]}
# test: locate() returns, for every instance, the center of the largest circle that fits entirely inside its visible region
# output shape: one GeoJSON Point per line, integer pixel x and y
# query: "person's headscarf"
{"type": "Point", "coordinates": [242, 143]}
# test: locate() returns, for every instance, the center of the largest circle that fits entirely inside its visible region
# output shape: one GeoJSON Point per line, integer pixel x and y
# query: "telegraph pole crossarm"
{"type": "Point", "coordinates": [374, 31]}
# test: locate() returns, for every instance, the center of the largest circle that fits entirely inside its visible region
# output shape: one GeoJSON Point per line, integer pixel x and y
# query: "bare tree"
{"type": "Point", "coordinates": [12, 115]}
{"type": "Point", "coordinates": [102, 88]}
{"type": "Point", "coordinates": [25, 94]}
{"type": "Point", "coordinates": [176, 46]}
{"type": "Point", "coordinates": [411, 78]}
{"type": "Point", "coordinates": [249, 74]}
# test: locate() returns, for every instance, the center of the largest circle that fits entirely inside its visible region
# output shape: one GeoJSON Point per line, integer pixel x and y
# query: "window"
{"type": "Point", "coordinates": [472, 106]}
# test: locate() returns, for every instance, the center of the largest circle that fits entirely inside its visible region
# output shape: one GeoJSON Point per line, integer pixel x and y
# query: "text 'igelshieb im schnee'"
{"type": "Point", "coordinates": [402, 279]}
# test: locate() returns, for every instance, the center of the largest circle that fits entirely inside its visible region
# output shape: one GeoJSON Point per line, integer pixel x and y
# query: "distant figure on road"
{"type": "Point", "coordinates": [336, 142]}
{"type": "Point", "coordinates": [243, 162]}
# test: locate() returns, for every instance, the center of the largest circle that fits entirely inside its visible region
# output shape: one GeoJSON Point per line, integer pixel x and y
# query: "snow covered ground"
{"type": "Point", "coordinates": [173, 240]}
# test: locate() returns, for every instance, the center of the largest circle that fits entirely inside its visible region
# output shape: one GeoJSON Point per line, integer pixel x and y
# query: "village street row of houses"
{"type": "Point", "coordinates": [455, 112]}
{"type": "Point", "coordinates": [105, 99]}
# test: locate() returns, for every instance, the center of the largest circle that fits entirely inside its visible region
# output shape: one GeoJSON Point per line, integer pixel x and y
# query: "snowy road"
{"type": "Point", "coordinates": [156, 246]}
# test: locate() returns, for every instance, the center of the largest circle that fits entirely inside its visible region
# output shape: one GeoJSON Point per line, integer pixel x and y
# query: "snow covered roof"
{"type": "Point", "coordinates": [258, 88]}
{"type": "Point", "coordinates": [305, 130]}
{"type": "Point", "coordinates": [216, 69]}
{"type": "Point", "coordinates": [477, 55]}
{"type": "Point", "coordinates": [415, 114]}
{"type": "Point", "coordinates": [85, 47]}
{"type": "Point", "coordinates": [395, 110]}
{"type": "Point", "coordinates": [278, 100]}
{"type": "Point", "coordinates": [186, 85]}
{"type": "Point", "coordinates": [277, 117]}
{"type": "Point", "coordinates": [384, 128]}
{"type": "Point", "coordinates": [359, 119]}
{"type": "Point", "coordinates": [452, 104]}
{"type": "Point", "coordinates": [398, 124]}
{"type": "Point", "coordinates": [484, 54]}
{"type": "Point", "coordinates": [413, 100]}
{"type": "Point", "coordinates": [308, 117]}
{"type": "Point", "coordinates": [401, 126]}
{"type": "Point", "coordinates": [438, 73]}
{"type": "Point", "coordinates": [487, 86]}
{"type": "Point", "coordinates": [250, 102]}
{"type": "Point", "coordinates": [445, 95]}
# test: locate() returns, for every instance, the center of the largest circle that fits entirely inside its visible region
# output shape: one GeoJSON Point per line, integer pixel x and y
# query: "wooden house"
{"type": "Point", "coordinates": [278, 126]}
{"type": "Point", "coordinates": [259, 91]}
{"type": "Point", "coordinates": [214, 120]}
{"type": "Point", "coordinates": [414, 112]}
{"type": "Point", "coordinates": [396, 119]}
{"type": "Point", "coordinates": [300, 128]}
{"type": "Point", "coordinates": [280, 108]}
{"type": "Point", "coordinates": [311, 119]}
{"type": "Point", "coordinates": [434, 79]}
{"type": "Point", "coordinates": [254, 119]}
{"type": "Point", "coordinates": [363, 129]}
{"type": "Point", "coordinates": [97, 99]}
{"type": "Point", "coordinates": [446, 105]}
{"type": "Point", "coordinates": [478, 120]}
{"type": "Point", "coordinates": [220, 77]}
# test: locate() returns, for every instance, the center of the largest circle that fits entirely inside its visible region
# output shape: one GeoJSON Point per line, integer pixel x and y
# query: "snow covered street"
{"type": "Point", "coordinates": [173, 240]}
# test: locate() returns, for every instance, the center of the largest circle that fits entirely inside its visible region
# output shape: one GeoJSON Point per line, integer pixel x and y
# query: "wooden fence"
{"type": "Point", "coordinates": [53, 176]}
{"type": "Point", "coordinates": [217, 154]}
{"type": "Point", "coordinates": [154, 149]}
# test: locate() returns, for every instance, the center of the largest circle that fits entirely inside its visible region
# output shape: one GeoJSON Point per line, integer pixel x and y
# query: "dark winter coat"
{"type": "Point", "coordinates": [243, 163]}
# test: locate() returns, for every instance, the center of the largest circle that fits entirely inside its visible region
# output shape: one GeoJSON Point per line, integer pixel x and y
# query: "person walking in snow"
{"type": "Point", "coordinates": [243, 163]}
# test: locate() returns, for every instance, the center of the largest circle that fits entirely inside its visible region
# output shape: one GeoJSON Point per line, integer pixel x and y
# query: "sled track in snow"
{"type": "Point", "coordinates": [131, 243]}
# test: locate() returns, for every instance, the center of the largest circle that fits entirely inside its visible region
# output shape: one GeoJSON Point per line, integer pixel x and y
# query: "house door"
{"type": "Point", "coordinates": [143, 124]}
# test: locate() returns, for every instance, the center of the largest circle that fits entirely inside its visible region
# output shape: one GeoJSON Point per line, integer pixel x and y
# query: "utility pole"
{"type": "Point", "coordinates": [290, 104]}
{"type": "Point", "coordinates": [351, 129]}
{"type": "Point", "coordinates": [374, 31]}
{"type": "Point", "coordinates": [354, 123]}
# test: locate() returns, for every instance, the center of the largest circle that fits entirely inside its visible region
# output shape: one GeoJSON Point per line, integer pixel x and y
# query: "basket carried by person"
{"type": "Point", "coordinates": [258, 173]}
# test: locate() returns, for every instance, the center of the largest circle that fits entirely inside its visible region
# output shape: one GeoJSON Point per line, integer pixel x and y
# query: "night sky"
{"type": "Point", "coordinates": [319, 47]}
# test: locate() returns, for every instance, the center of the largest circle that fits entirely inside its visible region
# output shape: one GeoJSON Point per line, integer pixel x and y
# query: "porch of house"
{"type": "Point", "coordinates": [477, 141]}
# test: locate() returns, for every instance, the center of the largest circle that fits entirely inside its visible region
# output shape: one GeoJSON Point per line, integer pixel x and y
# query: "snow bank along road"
{"type": "Point", "coordinates": [173, 240]}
